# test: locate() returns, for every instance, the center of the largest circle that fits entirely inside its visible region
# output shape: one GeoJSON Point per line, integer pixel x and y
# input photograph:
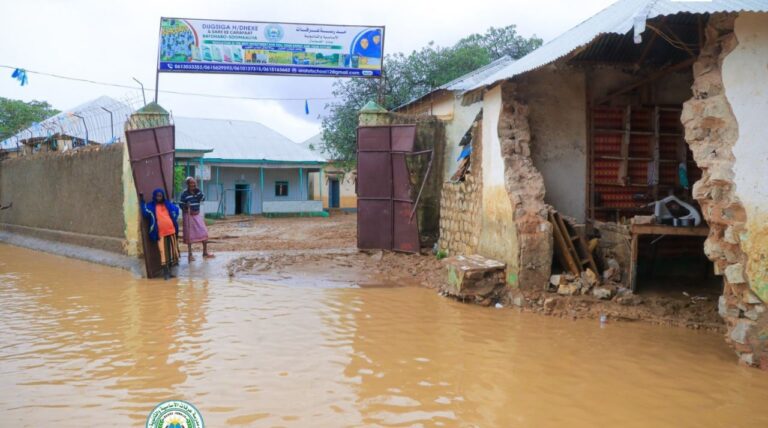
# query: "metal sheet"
{"type": "Point", "coordinates": [405, 229]}
{"type": "Point", "coordinates": [618, 18]}
{"type": "Point", "coordinates": [374, 224]}
{"type": "Point", "coordinates": [373, 139]}
{"type": "Point", "coordinates": [384, 202]}
{"type": "Point", "coordinates": [401, 180]}
{"type": "Point", "coordinates": [403, 138]}
{"type": "Point", "coordinates": [374, 175]}
{"type": "Point", "coordinates": [151, 152]}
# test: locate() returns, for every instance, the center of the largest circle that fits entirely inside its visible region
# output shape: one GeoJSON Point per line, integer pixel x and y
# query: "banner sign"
{"type": "Point", "coordinates": [203, 46]}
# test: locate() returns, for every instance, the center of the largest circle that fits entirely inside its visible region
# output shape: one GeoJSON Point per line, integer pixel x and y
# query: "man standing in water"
{"type": "Point", "coordinates": [194, 224]}
{"type": "Point", "coordinates": [162, 218]}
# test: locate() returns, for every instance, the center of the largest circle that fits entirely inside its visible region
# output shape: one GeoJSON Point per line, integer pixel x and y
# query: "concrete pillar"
{"type": "Point", "coordinates": [373, 114]}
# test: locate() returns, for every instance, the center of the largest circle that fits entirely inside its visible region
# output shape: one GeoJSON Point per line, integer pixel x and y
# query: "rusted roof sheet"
{"type": "Point", "coordinates": [619, 18]}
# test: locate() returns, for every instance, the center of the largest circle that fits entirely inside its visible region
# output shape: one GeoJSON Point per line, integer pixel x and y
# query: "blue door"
{"type": "Point", "coordinates": [333, 192]}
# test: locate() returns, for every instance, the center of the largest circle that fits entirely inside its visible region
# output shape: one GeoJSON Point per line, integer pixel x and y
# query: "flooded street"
{"type": "Point", "coordinates": [82, 344]}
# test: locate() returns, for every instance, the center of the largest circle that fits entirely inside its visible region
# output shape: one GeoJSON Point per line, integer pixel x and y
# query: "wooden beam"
{"type": "Point", "coordinates": [662, 229]}
{"type": "Point", "coordinates": [654, 76]}
{"type": "Point", "coordinates": [623, 174]}
{"type": "Point", "coordinates": [675, 37]}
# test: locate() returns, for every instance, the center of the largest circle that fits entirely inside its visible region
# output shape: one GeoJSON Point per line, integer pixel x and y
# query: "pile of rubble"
{"type": "Point", "coordinates": [589, 284]}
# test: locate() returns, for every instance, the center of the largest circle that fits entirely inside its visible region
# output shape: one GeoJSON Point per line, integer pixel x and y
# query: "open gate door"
{"type": "Point", "coordinates": [151, 152]}
{"type": "Point", "coordinates": [384, 192]}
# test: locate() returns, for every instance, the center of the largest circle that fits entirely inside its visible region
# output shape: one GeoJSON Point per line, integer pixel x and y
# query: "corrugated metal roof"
{"type": "Point", "coordinates": [239, 140]}
{"type": "Point", "coordinates": [97, 121]}
{"type": "Point", "coordinates": [467, 81]}
{"type": "Point", "coordinates": [314, 144]}
{"type": "Point", "coordinates": [619, 18]}
{"type": "Point", "coordinates": [470, 80]}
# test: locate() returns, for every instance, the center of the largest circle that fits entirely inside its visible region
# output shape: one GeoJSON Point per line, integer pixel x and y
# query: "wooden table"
{"type": "Point", "coordinates": [656, 229]}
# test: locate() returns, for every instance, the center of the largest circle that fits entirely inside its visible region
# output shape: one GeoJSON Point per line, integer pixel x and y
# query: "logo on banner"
{"type": "Point", "coordinates": [273, 32]}
{"type": "Point", "coordinates": [175, 414]}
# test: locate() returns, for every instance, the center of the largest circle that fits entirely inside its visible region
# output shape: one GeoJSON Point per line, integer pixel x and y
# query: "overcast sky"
{"type": "Point", "coordinates": [114, 41]}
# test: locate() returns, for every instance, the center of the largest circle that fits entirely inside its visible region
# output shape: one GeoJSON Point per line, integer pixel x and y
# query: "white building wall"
{"type": "Point", "coordinates": [745, 77]}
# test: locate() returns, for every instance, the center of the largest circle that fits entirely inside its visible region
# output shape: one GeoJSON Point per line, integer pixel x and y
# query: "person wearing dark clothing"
{"type": "Point", "coordinates": [162, 219]}
{"type": "Point", "coordinates": [194, 223]}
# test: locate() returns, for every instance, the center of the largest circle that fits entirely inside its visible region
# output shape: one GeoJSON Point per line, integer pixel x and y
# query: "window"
{"type": "Point", "coordinates": [281, 188]}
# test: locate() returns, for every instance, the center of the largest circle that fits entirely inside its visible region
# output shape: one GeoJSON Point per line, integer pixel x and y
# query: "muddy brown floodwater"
{"type": "Point", "coordinates": [86, 345]}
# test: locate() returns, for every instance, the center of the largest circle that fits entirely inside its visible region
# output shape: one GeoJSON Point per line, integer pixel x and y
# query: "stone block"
{"type": "Point", "coordinates": [735, 274]}
{"type": "Point", "coordinates": [739, 331]}
{"type": "Point", "coordinates": [747, 358]}
{"type": "Point", "coordinates": [569, 289]}
{"type": "Point", "coordinates": [751, 298]}
{"type": "Point", "coordinates": [725, 310]}
{"type": "Point", "coordinates": [603, 293]}
{"type": "Point", "coordinates": [474, 277]}
{"type": "Point", "coordinates": [755, 312]}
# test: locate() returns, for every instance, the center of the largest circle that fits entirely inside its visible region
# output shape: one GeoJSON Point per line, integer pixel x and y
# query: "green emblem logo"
{"type": "Point", "coordinates": [175, 414]}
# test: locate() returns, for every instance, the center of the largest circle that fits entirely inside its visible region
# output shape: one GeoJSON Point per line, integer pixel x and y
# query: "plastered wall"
{"type": "Point", "coordinates": [559, 152]}
{"type": "Point", "coordinates": [745, 78]}
{"type": "Point", "coordinates": [498, 235]}
{"type": "Point", "coordinates": [80, 197]}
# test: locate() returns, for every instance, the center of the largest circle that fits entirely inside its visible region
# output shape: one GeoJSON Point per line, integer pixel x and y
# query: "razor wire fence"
{"type": "Point", "coordinates": [101, 121]}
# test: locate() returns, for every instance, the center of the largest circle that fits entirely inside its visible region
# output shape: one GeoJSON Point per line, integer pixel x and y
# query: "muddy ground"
{"type": "Point", "coordinates": [243, 233]}
{"type": "Point", "coordinates": [322, 252]}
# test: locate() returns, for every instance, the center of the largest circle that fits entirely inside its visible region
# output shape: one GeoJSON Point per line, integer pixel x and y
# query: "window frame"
{"type": "Point", "coordinates": [287, 188]}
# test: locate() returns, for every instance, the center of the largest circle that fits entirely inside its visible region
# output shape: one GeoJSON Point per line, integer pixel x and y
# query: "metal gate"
{"type": "Point", "coordinates": [385, 204]}
{"type": "Point", "coordinates": [151, 152]}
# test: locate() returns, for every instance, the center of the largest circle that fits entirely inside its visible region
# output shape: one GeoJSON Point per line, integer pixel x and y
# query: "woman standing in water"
{"type": "Point", "coordinates": [162, 219]}
{"type": "Point", "coordinates": [194, 224]}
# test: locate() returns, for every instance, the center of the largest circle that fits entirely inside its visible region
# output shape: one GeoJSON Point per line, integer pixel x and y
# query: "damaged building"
{"type": "Point", "coordinates": [632, 143]}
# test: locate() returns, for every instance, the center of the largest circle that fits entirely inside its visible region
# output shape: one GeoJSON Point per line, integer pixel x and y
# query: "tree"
{"type": "Point", "coordinates": [503, 41]}
{"type": "Point", "coordinates": [16, 115]}
{"type": "Point", "coordinates": [406, 77]}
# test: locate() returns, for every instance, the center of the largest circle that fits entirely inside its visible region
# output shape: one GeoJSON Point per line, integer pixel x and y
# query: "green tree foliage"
{"type": "Point", "coordinates": [406, 77]}
{"type": "Point", "coordinates": [179, 174]}
{"type": "Point", "coordinates": [16, 115]}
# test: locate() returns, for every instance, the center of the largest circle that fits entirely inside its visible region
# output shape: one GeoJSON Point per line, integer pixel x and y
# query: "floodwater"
{"type": "Point", "coordinates": [86, 345]}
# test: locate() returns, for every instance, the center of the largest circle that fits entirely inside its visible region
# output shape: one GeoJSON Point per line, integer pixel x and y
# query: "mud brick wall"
{"type": "Point", "coordinates": [460, 204]}
{"type": "Point", "coordinates": [75, 197]}
{"type": "Point", "coordinates": [712, 131]}
{"type": "Point", "coordinates": [459, 216]}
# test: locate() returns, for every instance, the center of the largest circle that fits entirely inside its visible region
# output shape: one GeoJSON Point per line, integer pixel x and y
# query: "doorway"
{"type": "Point", "coordinates": [242, 199]}
{"type": "Point", "coordinates": [333, 193]}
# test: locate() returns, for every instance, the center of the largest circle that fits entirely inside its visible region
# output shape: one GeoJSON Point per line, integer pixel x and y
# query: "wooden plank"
{"type": "Point", "coordinates": [576, 246]}
{"type": "Point", "coordinates": [662, 229]}
{"type": "Point", "coordinates": [562, 253]}
{"type": "Point", "coordinates": [656, 153]}
{"type": "Point", "coordinates": [654, 76]}
{"type": "Point", "coordinates": [633, 263]}
{"type": "Point", "coordinates": [623, 173]}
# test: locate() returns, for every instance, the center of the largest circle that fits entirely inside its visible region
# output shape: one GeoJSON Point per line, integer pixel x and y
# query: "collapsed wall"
{"type": "Point", "coordinates": [525, 187]}
{"type": "Point", "coordinates": [71, 201]}
{"type": "Point", "coordinates": [712, 131]}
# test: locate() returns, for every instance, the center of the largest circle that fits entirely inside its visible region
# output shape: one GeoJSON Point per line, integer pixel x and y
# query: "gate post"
{"type": "Point", "coordinates": [373, 114]}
